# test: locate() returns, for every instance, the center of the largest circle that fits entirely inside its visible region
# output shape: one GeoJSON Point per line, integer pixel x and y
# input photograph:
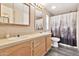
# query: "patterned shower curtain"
{"type": "Point", "coordinates": [64, 27]}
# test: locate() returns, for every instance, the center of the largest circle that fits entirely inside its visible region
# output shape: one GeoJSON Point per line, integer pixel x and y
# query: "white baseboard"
{"type": "Point", "coordinates": [65, 45]}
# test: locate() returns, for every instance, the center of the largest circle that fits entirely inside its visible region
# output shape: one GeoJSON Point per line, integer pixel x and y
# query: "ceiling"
{"type": "Point", "coordinates": [60, 8]}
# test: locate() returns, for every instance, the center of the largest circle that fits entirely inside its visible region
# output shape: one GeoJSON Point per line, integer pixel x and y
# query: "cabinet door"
{"type": "Point", "coordinates": [39, 46]}
{"type": "Point", "coordinates": [22, 49]}
{"type": "Point", "coordinates": [19, 52]}
{"type": "Point", "coordinates": [29, 48]}
{"type": "Point", "coordinates": [40, 50]}
{"type": "Point", "coordinates": [48, 42]}
{"type": "Point", "coordinates": [14, 50]}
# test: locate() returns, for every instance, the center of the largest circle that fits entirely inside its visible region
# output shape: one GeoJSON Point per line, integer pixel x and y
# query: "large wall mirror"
{"type": "Point", "coordinates": [15, 13]}
{"type": "Point", "coordinates": [38, 19]}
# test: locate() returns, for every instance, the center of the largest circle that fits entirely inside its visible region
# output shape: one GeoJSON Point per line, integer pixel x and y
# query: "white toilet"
{"type": "Point", "coordinates": [55, 41]}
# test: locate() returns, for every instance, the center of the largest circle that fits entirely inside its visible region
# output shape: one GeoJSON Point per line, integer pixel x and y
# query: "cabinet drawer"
{"type": "Point", "coordinates": [40, 50]}
{"type": "Point", "coordinates": [48, 43]}
{"type": "Point", "coordinates": [9, 50]}
{"type": "Point", "coordinates": [39, 41]}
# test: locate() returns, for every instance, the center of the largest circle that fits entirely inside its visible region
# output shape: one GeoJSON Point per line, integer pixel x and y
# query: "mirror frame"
{"type": "Point", "coordinates": [14, 19]}
{"type": "Point", "coordinates": [37, 8]}
{"type": "Point", "coordinates": [29, 13]}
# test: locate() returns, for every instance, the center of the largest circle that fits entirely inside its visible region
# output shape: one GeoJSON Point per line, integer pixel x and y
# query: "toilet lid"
{"type": "Point", "coordinates": [55, 39]}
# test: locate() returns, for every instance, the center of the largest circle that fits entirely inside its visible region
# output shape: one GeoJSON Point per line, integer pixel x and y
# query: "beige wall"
{"type": "Point", "coordinates": [14, 30]}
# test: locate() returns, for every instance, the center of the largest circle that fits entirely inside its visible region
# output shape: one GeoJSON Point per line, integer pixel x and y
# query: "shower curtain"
{"type": "Point", "coordinates": [64, 27]}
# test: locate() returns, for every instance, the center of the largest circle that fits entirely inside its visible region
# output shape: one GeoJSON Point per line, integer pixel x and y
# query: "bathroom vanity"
{"type": "Point", "coordinates": [36, 44]}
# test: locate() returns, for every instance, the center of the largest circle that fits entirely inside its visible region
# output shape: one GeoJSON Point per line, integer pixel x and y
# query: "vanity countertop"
{"type": "Point", "coordinates": [16, 40]}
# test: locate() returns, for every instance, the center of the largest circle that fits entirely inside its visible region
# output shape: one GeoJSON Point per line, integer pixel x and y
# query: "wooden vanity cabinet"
{"type": "Point", "coordinates": [22, 49]}
{"type": "Point", "coordinates": [48, 42]}
{"type": "Point", "coordinates": [42, 45]}
{"type": "Point", "coordinates": [39, 46]}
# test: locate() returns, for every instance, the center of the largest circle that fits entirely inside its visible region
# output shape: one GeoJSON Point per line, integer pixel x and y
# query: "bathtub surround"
{"type": "Point", "coordinates": [64, 27]}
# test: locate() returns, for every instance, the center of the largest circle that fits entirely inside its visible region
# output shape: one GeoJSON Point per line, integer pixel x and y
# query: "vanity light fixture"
{"type": "Point", "coordinates": [43, 3]}
{"type": "Point", "coordinates": [53, 7]}
{"type": "Point", "coordinates": [38, 5]}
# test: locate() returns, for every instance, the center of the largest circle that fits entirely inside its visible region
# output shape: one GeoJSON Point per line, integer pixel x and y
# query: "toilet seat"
{"type": "Point", "coordinates": [55, 39]}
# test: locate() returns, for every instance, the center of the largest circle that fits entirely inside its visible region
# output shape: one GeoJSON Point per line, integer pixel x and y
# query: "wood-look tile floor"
{"type": "Point", "coordinates": [62, 51]}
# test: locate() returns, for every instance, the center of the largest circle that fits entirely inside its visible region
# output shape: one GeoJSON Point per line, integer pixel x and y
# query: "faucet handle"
{"type": "Point", "coordinates": [18, 35]}
{"type": "Point", "coordinates": [7, 35]}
